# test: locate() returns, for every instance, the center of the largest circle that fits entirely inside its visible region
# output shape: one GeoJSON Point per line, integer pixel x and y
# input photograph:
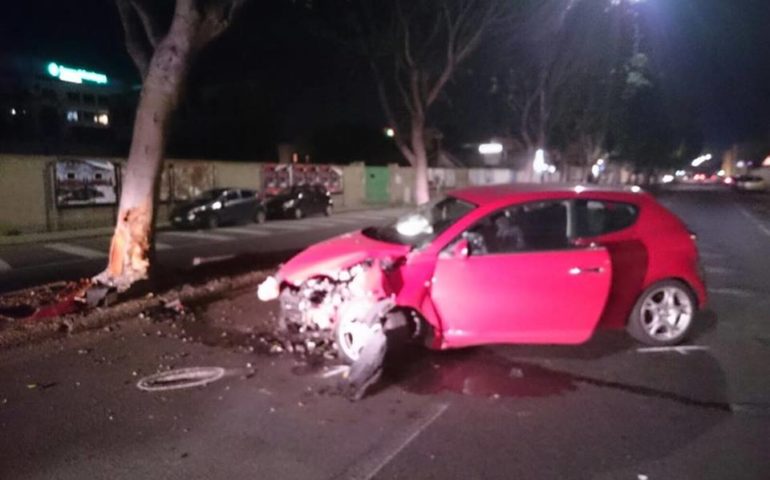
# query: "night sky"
{"type": "Point", "coordinates": [714, 52]}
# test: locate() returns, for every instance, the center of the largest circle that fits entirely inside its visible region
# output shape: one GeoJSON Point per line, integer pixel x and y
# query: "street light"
{"type": "Point", "coordinates": [490, 148]}
{"type": "Point", "coordinates": [701, 160]}
{"type": "Point", "coordinates": [390, 133]}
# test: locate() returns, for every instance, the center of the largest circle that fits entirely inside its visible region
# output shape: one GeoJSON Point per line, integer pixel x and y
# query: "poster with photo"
{"type": "Point", "coordinates": [85, 183]}
{"type": "Point", "coordinates": [276, 177]}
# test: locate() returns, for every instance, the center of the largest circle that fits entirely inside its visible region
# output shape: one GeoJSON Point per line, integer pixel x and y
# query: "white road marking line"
{"type": "Point", "coordinates": [162, 246]}
{"type": "Point", "coordinates": [364, 216]}
{"type": "Point", "coordinates": [731, 291]}
{"type": "Point", "coordinates": [248, 231]}
{"type": "Point", "coordinates": [204, 260]}
{"type": "Point", "coordinates": [285, 226]}
{"type": "Point", "coordinates": [680, 349]}
{"type": "Point", "coordinates": [334, 371]}
{"type": "Point", "coordinates": [76, 250]}
{"type": "Point", "coordinates": [4, 266]}
{"type": "Point", "coordinates": [369, 468]}
{"type": "Point", "coordinates": [761, 226]}
{"type": "Point", "coordinates": [720, 270]}
{"type": "Point", "coordinates": [333, 222]}
{"type": "Point", "coordinates": [200, 235]}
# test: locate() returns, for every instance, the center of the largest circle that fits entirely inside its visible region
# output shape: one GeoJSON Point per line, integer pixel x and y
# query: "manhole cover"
{"type": "Point", "coordinates": [180, 378]}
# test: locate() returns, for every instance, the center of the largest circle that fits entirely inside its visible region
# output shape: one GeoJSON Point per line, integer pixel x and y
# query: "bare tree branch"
{"type": "Point", "coordinates": [217, 18]}
{"type": "Point", "coordinates": [135, 44]}
{"type": "Point", "coordinates": [152, 27]}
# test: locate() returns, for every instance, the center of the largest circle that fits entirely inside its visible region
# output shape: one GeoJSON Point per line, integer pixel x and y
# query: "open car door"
{"type": "Point", "coordinates": [515, 277]}
{"type": "Point", "coordinates": [534, 297]}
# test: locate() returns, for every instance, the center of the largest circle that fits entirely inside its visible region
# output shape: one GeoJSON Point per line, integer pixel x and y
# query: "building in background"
{"type": "Point", "coordinates": [50, 107]}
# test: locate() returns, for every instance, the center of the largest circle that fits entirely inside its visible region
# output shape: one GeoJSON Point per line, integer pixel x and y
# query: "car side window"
{"type": "Point", "coordinates": [530, 227]}
{"type": "Point", "coordinates": [598, 217]}
{"type": "Point", "coordinates": [247, 193]}
{"type": "Point", "coordinates": [231, 195]}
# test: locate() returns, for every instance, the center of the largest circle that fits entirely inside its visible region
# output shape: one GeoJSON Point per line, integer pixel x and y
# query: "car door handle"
{"type": "Point", "coordinates": [582, 270]}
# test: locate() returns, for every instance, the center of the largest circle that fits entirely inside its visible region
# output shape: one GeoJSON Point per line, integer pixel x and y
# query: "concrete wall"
{"type": "Point", "coordinates": [241, 175]}
{"type": "Point", "coordinates": [23, 193]}
{"type": "Point", "coordinates": [27, 201]}
{"type": "Point", "coordinates": [354, 186]}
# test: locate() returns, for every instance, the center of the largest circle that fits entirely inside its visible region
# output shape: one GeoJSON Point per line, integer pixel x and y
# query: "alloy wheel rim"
{"type": "Point", "coordinates": [666, 313]}
{"type": "Point", "coordinates": [353, 337]}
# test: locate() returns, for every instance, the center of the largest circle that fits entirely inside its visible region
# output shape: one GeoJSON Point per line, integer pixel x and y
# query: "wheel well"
{"type": "Point", "coordinates": [420, 329]}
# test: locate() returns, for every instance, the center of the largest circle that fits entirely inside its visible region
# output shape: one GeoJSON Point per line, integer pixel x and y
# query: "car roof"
{"type": "Point", "coordinates": [489, 194]}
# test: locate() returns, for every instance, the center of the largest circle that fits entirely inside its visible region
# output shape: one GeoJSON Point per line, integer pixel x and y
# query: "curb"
{"type": "Point", "coordinates": [35, 331]}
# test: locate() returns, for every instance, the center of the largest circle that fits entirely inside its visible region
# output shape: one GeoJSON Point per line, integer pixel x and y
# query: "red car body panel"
{"type": "Point", "coordinates": [512, 296]}
{"type": "Point", "coordinates": [557, 296]}
{"type": "Point", "coordinates": [327, 258]}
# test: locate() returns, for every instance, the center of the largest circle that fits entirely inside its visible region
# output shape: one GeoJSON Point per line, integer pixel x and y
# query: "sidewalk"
{"type": "Point", "coordinates": [43, 237]}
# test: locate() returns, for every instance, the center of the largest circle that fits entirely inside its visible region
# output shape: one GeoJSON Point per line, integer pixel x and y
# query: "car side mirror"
{"type": "Point", "coordinates": [461, 249]}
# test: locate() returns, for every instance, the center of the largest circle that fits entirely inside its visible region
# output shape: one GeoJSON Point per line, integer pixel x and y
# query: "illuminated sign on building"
{"type": "Point", "coordinates": [75, 75]}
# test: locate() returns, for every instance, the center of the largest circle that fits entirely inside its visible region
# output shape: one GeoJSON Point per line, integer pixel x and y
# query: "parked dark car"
{"type": "Point", "coordinates": [219, 206]}
{"type": "Point", "coordinates": [298, 201]}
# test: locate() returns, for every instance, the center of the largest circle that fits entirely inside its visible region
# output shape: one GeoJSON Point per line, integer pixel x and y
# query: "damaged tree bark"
{"type": "Point", "coordinates": [193, 26]}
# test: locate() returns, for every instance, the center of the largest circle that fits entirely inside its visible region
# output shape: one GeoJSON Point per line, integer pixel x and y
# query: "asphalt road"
{"type": "Point", "coordinates": [26, 265]}
{"type": "Point", "coordinates": [70, 409]}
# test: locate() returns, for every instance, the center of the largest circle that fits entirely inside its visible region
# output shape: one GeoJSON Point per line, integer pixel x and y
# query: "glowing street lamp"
{"type": "Point", "coordinates": [490, 148]}
{"type": "Point", "coordinates": [539, 164]}
{"type": "Point", "coordinates": [701, 160]}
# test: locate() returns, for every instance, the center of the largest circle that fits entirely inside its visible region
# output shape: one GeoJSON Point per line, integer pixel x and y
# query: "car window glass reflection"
{"type": "Point", "coordinates": [530, 227]}
{"type": "Point", "coordinates": [594, 217]}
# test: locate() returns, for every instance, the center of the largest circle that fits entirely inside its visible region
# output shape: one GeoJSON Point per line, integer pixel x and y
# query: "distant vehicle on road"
{"type": "Point", "coordinates": [749, 183]}
{"type": "Point", "coordinates": [298, 201]}
{"type": "Point", "coordinates": [219, 206]}
{"type": "Point", "coordinates": [502, 264]}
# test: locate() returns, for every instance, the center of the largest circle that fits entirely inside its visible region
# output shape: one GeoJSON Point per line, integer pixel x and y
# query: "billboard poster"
{"type": "Point", "coordinates": [85, 183]}
{"type": "Point", "coordinates": [276, 177]}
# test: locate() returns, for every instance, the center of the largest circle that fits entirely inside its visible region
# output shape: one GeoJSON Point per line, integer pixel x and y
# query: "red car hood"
{"type": "Point", "coordinates": [326, 258]}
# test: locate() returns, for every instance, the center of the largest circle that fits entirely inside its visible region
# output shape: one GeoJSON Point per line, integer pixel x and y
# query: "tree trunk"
{"type": "Point", "coordinates": [420, 164]}
{"type": "Point", "coordinates": [130, 250]}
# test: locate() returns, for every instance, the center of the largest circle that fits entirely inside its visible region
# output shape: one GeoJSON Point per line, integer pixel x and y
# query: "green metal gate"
{"type": "Point", "coordinates": [377, 184]}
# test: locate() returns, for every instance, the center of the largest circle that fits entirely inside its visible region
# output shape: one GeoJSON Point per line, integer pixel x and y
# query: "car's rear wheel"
{"type": "Point", "coordinates": [663, 315]}
{"type": "Point", "coordinates": [212, 221]}
{"type": "Point", "coordinates": [260, 217]}
{"type": "Point", "coordinates": [328, 211]}
{"type": "Point", "coordinates": [298, 213]}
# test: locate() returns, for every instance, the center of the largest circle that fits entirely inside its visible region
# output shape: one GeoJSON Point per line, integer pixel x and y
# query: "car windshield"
{"type": "Point", "coordinates": [420, 226]}
{"type": "Point", "coordinates": [209, 195]}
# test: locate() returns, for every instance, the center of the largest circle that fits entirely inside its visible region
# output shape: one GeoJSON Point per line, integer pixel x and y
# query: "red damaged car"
{"type": "Point", "coordinates": [502, 264]}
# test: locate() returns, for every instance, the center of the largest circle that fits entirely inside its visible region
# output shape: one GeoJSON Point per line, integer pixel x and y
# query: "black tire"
{"type": "Point", "coordinates": [260, 217]}
{"type": "Point", "coordinates": [640, 321]}
{"type": "Point", "coordinates": [212, 222]}
{"type": "Point", "coordinates": [328, 211]}
{"type": "Point", "coordinates": [298, 213]}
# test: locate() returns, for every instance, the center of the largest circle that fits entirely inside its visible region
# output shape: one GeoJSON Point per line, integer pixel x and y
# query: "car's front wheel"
{"type": "Point", "coordinates": [663, 315]}
{"type": "Point", "coordinates": [351, 336]}
{"type": "Point", "coordinates": [298, 213]}
{"type": "Point", "coordinates": [212, 222]}
{"type": "Point", "coordinates": [260, 217]}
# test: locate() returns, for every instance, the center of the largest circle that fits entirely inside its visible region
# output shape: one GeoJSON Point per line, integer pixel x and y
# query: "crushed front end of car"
{"type": "Point", "coordinates": [346, 306]}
